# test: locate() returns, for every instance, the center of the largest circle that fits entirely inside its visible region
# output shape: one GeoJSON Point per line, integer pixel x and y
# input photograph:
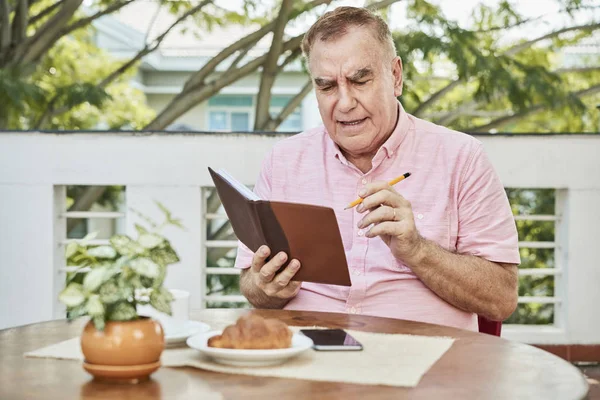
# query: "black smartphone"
{"type": "Point", "coordinates": [332, 339]}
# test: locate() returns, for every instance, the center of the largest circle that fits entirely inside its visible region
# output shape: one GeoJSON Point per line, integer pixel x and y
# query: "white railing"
{"type": "Point", "coordinates": [172, 168]}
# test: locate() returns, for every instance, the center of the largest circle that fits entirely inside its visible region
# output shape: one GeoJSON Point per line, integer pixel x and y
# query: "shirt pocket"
{"type": "Point", "coordinates": [433, 224]}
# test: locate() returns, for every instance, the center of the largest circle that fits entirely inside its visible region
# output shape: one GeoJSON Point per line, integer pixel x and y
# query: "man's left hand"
{"type": "Point", "coordinates": [392, 219]}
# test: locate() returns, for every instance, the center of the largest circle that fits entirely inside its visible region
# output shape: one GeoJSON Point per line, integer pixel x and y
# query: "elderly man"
{"type": "Point", "coordinates": [439, 247]}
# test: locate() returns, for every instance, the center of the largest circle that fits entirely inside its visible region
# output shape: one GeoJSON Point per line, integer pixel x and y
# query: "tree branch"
{"type": "Point", "coordinates": [531, 110]}
{"type": "Point", "coordinates": [525, 45]}
{"type": "Point", "coordinates": [88, 20]}
{"type": "Point", "coordinates": [238, 58]}
{"type": "Point", "coordinates": [472, 106]}
{"type": "Point", "coordinates": [510, 52]}
{"type": "Point", "coordinates": [149, 48]}
{"type": "Point", "coordinates": [289, 108]}
{"type": "Point", "coordinates": [31, 50]}
{"type": "Point", "coordinates": [270, 67]}
{"type": "Point", "coordinates": [291, 57]}
{"type": "Point", "coordinates": [199, 77]}
{"type": "Point", "coordinates": [5, 38]}
{"type": "Point", "coordinates": [45, 12]}
{"type": "Point", "coordinates": [193, 94]}
{"type": "Point", "coordinates": [19, 27]}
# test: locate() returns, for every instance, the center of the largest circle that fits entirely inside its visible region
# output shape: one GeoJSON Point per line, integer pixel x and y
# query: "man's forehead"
{"type": "Point", "coordinates": [363, 69]}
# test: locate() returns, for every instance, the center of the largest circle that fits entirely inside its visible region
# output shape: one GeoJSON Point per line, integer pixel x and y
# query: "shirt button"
{"type": "Point", "coordinates": [360, 232]}
{"type": "Point", "coordinates": [364, 181]}
{"type": "Point", "coordinates": [353, 310]}
{"type": "Point", "coordinates": [356, 272]}
{"type": "Point", "coordinates": [420, 216]}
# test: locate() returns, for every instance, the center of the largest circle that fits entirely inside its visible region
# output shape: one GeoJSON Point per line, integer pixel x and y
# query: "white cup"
{"type": "Point", "coordinates": [180, 306]}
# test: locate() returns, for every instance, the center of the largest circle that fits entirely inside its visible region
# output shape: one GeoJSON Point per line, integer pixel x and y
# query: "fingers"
{"type": "Point", "coordinates": [268, 270]}
{"type": "Point", "coordinates": [385, 213]}
{"type": "Point", "coordinates": [387, 228]}
{"type": "Point", "coordinates": [282, 285]}
{"type": "Point", "coordinates": [259, 258]}
{"type": "Point", "coordinates": [380, 193]}
{"type": "Point", "coordinates": [268, 279]}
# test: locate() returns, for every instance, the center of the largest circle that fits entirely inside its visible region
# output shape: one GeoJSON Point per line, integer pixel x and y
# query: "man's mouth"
{"type": "Point", "coordinates": [352, 122]}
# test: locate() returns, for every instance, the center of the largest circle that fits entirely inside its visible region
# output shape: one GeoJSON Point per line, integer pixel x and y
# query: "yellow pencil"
{"type": "Point", "coordinates": [391, 183]}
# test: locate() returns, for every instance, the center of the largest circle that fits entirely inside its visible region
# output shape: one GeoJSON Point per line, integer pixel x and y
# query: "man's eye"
{"type": "Point", "coordinates": [326, 88]}
{"type": "Point", "coordinates": [361, 83]}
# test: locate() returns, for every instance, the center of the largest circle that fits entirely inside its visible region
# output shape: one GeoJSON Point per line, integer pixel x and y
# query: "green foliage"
{"type": "Point", "coordinates": [492, 79]}
{"type": "Point", "coordinates": [113, 279]}
{"type": "Point", "coordinates": [534, 202]}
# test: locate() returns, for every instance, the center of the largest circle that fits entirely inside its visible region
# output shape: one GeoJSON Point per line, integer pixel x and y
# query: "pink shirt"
{"type": "Point", "coordinates": [458, 201]}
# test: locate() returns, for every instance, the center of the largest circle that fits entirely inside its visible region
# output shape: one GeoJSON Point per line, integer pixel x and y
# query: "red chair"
{"type": "Point", "coordinates": [488, 326]}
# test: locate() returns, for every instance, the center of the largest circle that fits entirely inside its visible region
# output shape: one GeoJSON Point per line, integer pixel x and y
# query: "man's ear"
{"type": "Point", "coordinates": [397, 75]}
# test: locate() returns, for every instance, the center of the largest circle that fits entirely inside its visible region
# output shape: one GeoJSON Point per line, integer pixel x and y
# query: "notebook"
{"type": "Point", "coordinates": [305, 232]}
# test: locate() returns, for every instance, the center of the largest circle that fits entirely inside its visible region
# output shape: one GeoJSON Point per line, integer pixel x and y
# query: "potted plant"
{"type": "Point", "coordinates": [109, 283]}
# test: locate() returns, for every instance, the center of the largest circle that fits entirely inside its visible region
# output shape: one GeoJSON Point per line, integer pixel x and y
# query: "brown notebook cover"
{"type": "Point", "coordinates": [305, 232]}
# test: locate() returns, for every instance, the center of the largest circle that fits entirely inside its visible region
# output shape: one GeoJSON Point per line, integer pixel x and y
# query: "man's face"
{"type": "Point", "coordinates": [356, 84]}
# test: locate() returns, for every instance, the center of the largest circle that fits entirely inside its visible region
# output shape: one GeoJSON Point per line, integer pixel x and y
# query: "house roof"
{"type": "Point", "coordinates": [185, 48]}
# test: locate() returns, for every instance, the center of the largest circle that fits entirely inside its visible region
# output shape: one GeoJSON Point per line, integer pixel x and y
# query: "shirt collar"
{"type": "Point", "coordinates": [390, 146]}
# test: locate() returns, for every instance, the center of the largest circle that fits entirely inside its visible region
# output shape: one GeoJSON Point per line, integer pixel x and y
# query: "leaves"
{"type": "Point", "coordinates": [72, 295]}
{"type": "Point", "coordinates": [150, 240]}
{"type": "Point", "coordinates": [161, 299]}
{"type": "Point", "coordinates": [102, 252]}
{"type": "Point", "coordinates": [145, 267]}
{"type": "Point", "coordinates": [97, 276]}
{"type": "Point", "coordinates": [94, 306]}
{"type": "Point", "coordinates": [110, 292]}
{"type": "Point", "coordinates": [126, 246]}
{"type": "Point", "coordinates": [164, 256]}
{"type": "Point", "coordinates": [99, 323]}
{"type": "Point", "coordinates": [122, 311]}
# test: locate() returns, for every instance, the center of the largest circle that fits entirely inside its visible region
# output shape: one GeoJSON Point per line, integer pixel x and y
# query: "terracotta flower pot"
{"type": "Point", "coordinates": [126, 351]}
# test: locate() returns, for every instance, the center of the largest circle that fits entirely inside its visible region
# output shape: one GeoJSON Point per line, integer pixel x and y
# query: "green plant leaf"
{"type": "Point", "coordinates": [161, 299]}
{"type": "Point", "coordinates": [122, 312]}
{"type": "Point", "coordinates": [94, 306]}
{"type": "Point", "coordinates": [99, 322]}
{"type": "Point", "coordinates": [111, 293]}
{"type": "Point", "coordinates": [72, 295]}
{"type": "Point", "coordinates": [126, 246]}
{"type": "Point", "coordinates": [97, 276]}
{"type": "Point", "coordinates": [76, 312]}
{"type": "Point", "coordinates": [102, 252]}
{"type": "Point", "coordinates": [161, 277]}
{"type": "Point", "coordinates": [145, 267]}
{"type": "Point", "coordinates": [71, 249]}
{"type": "Point", "coordinates": [140, 229]}
{"type": "Point", "coordinates": [126, 288]}
{"type": "Point", "coordinates": [150, 240]}
{"type": "Point", "coordinates": [164, 256]}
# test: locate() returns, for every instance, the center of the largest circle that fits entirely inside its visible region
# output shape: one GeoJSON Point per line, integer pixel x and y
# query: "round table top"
{"type": "Point", "coordinates": [476, 366]}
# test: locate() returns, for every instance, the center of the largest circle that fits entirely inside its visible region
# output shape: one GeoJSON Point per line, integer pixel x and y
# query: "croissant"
{"type": "Point", "coordinates": [254, 332]}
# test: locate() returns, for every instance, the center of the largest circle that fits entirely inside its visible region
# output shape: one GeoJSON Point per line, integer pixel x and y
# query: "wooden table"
{"type": "Point", "coordinates": [477, 366]}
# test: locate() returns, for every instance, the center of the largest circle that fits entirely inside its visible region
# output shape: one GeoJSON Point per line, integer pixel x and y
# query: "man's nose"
{"type": "Point", "coordinates": [346, 101]}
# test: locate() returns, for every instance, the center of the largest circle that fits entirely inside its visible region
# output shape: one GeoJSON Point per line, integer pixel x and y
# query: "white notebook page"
{"type": "Point", "coordinates": [243, 189]}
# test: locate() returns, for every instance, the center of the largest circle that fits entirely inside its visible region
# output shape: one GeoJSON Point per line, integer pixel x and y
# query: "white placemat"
{"type": "Point", "coordinates": [387, 359]}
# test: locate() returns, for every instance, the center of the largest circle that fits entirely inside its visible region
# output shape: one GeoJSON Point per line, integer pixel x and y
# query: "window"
{"type": "Point", "coordinates": [235, 113]}
{"type": "Point", "coordinates": [230, 113]}
{"type": "Point", "coordinates": [293, 123]}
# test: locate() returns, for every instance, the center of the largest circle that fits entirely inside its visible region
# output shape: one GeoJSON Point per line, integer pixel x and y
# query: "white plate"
{"type": "Point", "coordinates": [177, 331]}
{"type": "Point", "coordinates": [246, 357]}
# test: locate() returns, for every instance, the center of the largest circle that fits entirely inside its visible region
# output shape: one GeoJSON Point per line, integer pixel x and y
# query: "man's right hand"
{"type": "Point", "coordinates": [268, 290]}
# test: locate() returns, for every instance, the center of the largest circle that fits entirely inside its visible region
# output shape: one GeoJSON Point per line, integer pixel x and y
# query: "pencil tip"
{"type": "Point", "coordinates": [406, 175]}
